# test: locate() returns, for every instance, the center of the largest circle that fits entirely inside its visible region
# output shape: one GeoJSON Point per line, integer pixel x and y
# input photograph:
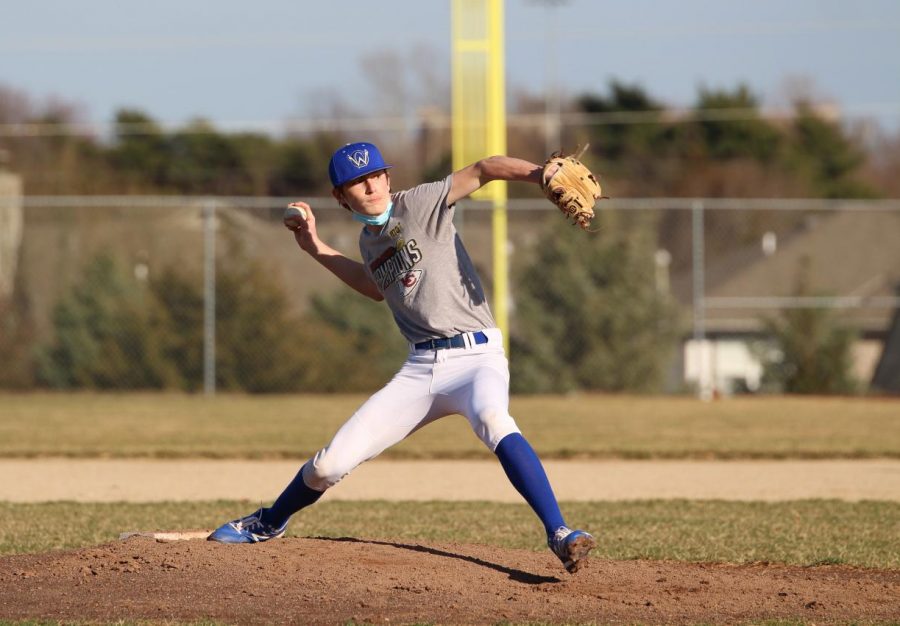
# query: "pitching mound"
{"type": "Point", "coordinates": [335, 580]}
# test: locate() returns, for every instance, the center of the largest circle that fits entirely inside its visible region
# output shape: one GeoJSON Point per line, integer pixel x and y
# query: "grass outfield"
{"type": "Point", "coordinates": [803, 532]}
{"type": "Point", "coordinates": [586, 426]}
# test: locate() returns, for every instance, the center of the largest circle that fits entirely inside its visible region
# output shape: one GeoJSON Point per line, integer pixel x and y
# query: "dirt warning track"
{"type": "Point", "coordinates": [328, 581]}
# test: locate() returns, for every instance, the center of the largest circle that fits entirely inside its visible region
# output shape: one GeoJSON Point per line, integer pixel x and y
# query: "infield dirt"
{"type": "Point", "coordinates": [332, 581]}
{"type": "Point", "coordinates": [153, 480]}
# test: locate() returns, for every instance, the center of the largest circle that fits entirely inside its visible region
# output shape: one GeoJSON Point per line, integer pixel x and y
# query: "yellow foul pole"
{"type": "Point", "coordinates": [479, 120]}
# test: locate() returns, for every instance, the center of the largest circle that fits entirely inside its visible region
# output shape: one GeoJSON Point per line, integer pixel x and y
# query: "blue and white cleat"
{"type": "Point", "coordinates": [250, 529]}
{"type": "Point", "coordinates": [571, 546]}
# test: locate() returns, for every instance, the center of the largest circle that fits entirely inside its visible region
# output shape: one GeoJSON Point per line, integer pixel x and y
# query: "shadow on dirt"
{"type": "Point", "coordinates": [514, 574]}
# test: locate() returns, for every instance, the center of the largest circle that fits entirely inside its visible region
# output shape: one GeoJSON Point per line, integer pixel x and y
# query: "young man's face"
{"type": "Point", "coordinates": [368, 194]}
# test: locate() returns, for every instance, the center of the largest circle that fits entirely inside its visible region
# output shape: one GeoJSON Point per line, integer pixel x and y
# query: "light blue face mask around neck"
{"type": "Point", "coordinates": [375, 220]}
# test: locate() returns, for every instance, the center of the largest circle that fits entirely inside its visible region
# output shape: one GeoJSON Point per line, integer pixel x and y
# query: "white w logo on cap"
{"type": "Point", "coordinates": [360, 158]}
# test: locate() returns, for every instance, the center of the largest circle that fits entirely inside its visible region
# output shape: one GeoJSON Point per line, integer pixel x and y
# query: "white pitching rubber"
{"type": "Point", "coordinates": [173, 535]}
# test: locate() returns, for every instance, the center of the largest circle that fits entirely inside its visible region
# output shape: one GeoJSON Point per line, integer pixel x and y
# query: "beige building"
{"type": "Point", "coordinates": [852, 266]}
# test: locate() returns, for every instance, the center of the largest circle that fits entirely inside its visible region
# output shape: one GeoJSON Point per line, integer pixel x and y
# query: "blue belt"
{"type": "Point", "coordinates": [457, 341]}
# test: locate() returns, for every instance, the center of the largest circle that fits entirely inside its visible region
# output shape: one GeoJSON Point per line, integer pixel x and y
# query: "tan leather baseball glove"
{"type": "Point", "coordinates": [571, 186]}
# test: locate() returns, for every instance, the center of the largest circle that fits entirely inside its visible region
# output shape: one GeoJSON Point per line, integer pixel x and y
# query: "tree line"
{"type": "Point", "coordinates": [587, 316]}
{"type": "Point", "coordinates": [704, 152]}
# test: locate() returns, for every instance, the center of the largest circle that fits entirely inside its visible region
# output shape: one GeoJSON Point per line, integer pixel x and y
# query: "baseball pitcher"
{"type": "Point", "coordinates": [413, 258]}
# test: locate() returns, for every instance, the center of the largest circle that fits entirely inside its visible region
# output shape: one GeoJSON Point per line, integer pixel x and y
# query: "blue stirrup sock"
{"type": "Point", "coordinates": [526, 473]}
{"type": "Point", "coordinates": [294, 497]}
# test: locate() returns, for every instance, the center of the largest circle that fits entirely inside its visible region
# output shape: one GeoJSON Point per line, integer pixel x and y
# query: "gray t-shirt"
{"type": "Point", "coordinates": [421, 267]}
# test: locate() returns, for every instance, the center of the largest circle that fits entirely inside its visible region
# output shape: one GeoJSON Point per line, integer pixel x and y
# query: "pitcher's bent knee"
{"type": "Point", "coordinates": [324, 470]}
{"type": "Point", "coordinates": [492, 425]}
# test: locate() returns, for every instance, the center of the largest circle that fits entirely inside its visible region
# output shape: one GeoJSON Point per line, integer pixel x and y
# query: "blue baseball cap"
{"type": "Point", "coordinates": [355, 160]}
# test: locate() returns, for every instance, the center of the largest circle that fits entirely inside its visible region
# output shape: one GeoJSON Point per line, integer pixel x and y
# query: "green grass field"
{"type": "Point", "coordinates": [585, 426]}
{"type": "Point", "coordinates": [804, 533]}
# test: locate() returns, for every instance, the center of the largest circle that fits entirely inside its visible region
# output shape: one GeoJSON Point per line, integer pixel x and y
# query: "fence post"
{"type": "Point", "coordinates": [209, 298]}
{"type": "Point", "coordinates": [704, 388]}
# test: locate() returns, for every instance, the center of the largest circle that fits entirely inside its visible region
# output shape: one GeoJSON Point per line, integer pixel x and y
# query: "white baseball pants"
{"type": "Point", "coordinates": [472, 381]}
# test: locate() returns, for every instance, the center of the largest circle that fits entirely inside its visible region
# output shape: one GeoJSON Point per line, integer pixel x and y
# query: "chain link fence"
{"type": "Point", "coordinates": [676, 295]}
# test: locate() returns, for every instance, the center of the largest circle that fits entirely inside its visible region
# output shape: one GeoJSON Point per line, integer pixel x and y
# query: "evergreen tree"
{"type": "Point", "coordinates": [363, 344]}
{"type": "Point", "coordinates": [109, 335]}
{"type": "Point", "coordinates": [344, 343]}
{"type": "Point", "coordinates": [297, 170]}
{"type": "Point", "coordinates": [827, 157]}
{"type": "Point", "coordinates": [618, 141]}
{"type": "Point", "coordinates": [588, 314]}
{"type": "Point", "coordinates": [181, 296]}
{"type": "Point", "coordinates": [814, 350]}
{"type": "Point", "coordinates": [16, 340]}
{"type": "Point", "coordinates": [140, 150]}
{"type": "Point", "coordinates": [723, 139]}
{"type": "Point", "coordinates": [203, 161]}
{"type": "Point", "coordinates": [258, 341]}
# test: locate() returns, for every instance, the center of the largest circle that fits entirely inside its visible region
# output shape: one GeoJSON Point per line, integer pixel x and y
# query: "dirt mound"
{"type": "Point", "coordinates": [323, 580]}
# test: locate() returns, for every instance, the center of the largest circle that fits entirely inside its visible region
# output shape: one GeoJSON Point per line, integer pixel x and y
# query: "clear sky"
{"type": "Point", "coordinates": [275, 59]}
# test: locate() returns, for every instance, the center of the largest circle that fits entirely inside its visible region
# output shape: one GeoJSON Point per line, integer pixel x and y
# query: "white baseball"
{"type": "Point", "coordinates": [292, 217]}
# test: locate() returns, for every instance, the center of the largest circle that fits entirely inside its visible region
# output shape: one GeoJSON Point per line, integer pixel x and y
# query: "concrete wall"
{"type": "Point", "coordinates": [11, 228]}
